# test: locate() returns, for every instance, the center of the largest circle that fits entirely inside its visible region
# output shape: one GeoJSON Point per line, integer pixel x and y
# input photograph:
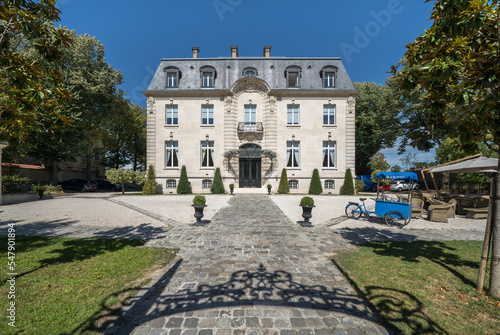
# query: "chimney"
{"type": "Point", "coordinates": [234, 51]}
{"type": "Point", "coordinates": [267, 51]}
{"type": "Point", "coordinates": [196, 50]}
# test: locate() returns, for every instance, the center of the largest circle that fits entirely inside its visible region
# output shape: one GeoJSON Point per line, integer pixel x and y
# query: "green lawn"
{"type": "Point", "coordinates": [423, 287]}
{"type": "Point", "coordinates": [71, 286]}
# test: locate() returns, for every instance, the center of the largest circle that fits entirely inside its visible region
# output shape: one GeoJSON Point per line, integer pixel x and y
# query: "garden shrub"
{"type": "Point", "coordinates": [217, 185]}
{"type": "Point", "coordinates": [150, 186]}
{"type": "Point", "coordinates": [283, 187]}
{"type": "Point", "coordinates": [315, 186]}
{"type": "Point", "coordinates": [184, 187]}
{"type": "Point", "coordinates": [348, 187]}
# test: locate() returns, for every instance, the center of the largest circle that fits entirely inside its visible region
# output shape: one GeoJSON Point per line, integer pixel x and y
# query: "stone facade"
{"type": "Point", "coordinates": [251, 117]}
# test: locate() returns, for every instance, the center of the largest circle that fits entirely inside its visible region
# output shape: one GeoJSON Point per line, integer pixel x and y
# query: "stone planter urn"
{"type": "Point", "coordinates": [231, 188]}
{"type": "Point", "coordinates": [269, 189]}
{"type": "Point", "coordinates": [307, 204]}
{"type": "Point", "coordinates": [199, 205]}
{"type": "Point", "coordinates": [40, 193]}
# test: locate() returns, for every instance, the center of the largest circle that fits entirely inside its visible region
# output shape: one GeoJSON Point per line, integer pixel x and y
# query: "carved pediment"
{"type": "Point", "coordinates": [250, 85]}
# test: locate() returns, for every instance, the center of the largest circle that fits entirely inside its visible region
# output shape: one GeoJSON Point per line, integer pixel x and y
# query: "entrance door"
{"type": "Point", "coordinates": [250, 172]}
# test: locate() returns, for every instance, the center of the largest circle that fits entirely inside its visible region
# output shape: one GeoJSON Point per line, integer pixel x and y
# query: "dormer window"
{"type": "Point", "coordinates": [250, 72]}
{"type": "Point", "coordinates": [173, 75]}
{"type": "Point", "coordinates": [329, 76]}
{"type": "Point", "coordinates": [292, 75]}
{"type": "Point", "coordinates": [208, 75]}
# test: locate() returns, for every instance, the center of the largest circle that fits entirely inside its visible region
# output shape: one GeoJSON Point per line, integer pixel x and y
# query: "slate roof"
{"type": "Point", "coordinates": [270, 69]}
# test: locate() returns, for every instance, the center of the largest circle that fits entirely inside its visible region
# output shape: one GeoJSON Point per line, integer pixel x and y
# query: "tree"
{"type": "Point", "coordinates": [377, 124]}
{"type": "Point", "coordinates": [348, 187]}
{"type": "Point", "coordinates": [27, 88]}
{"type": "Point", "coordinates": [396, 168]}
{"type": "Point", "coordinates": [315, 186]}
{"type": "Point", "coordinates": [150, 186]}
{"type": "Point", "coordinates": [120, 176]}
{"type": "Point", "coordinates": [456, 63]}
{"type": "Point", "coordinates": [283, 187]}
{"type": "Point", "coordinates": [377, 164]}
{"type": "Point", "coordinates": [183, 187]}
{"type": "Point", "coordinates": [217, 185]}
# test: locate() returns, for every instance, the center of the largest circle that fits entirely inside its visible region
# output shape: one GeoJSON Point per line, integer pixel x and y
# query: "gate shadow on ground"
{"type": "Point", "coordinates": [244, 288]}
{"type": "Point", "coordinates": [359, 236]}
{"type": "Point", "coordinates": [399, 304]}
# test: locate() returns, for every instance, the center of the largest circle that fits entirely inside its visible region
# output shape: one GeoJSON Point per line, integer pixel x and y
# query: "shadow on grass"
{"type": "Point", "coordinates": [244, 288]}
{"type": "Point", "coordinates": [396, 307]}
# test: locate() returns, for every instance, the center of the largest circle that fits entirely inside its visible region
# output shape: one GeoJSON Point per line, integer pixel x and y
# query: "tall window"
{"type": "Point", "coordinates": [328, 154]}
{"type": "Point", "coordinates": [207, 114]}
{"type": "Point", "coordinates": [171, 115]}
{"type": "Point", "coordinates": [250, 114]}
{"type": "Point", "coordinates": [208, 79]}
{"type": "Point", "coordinates": [173, 75]}
{"type": "Point", "coordinates": [328, 73]}
{"type": "Point", "coordinates": [329, 115]}
{"type": "Point", "coordinates": [292, 114]}
{"type": "Point", "coordinates": [329, 79]}
{"type": "Point", "coordinates": [292, 154]}
{"type": "Point", "coordinates": [207, 153]}
{"type": "Point", "coordinates": [208, 75]}
{"type": "Point", "coordinates": [171, 154]}
{"type": "Point", "coordinates": [292, 75]}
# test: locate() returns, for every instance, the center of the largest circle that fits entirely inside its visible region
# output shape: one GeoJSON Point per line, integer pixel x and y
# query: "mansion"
{"type": "Point", "coordinates": [251, 117]}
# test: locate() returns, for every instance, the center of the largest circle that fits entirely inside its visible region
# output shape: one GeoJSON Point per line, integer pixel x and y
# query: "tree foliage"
{"type": "Point", "coordinates": [183, 187]}
{"type": "Point", "coordinates": [456, 63]}
{"type": "Point", "coordinates": [377, 125]}
{"type": "Point", "coordinates": [28, 89]}
{"type": "Point", "coordinates": [150, 186]}
{"type": "Point", "coordinates": [120, 176]}
{"type": "Point", "coordinates": [283, 187]}
{"type": "Point", "coordinates": [217, 185]}
{"type": "Point", "coordinates": [348, 187]}
{"type": "Point", "coordinates": [315, 185]}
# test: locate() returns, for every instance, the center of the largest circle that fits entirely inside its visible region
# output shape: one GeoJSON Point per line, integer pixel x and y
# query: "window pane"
{"type": "Point", "coordinates": [293, 79]}
{"type": "Point", "coordinates": [250, 114]}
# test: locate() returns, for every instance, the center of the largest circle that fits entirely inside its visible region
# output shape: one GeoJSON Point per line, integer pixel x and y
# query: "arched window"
{"type": "Point", "coordinates": [292, 75]}
{"type": "Point", "coordinates": [172, 75]}
{"type": "Point", "coordinates": [208, 75]}
{"type": "Point", "coordinates": [171, 183]}
{"type": "Point", "coordinates": [328, 75]}
{"type": "Point", "coordinates": [250, 72]}
{"type": "Point", "coordinates": [206, 183]}
{"type": "Point", "coordinates": [329, 184]}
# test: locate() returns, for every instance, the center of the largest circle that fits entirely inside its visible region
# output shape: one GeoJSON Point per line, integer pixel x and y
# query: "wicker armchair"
{"type": "Point", "coordinates": [417, 208]}
{"type": "Point", "coordinates": [464, 202]}
{"type": "Point", "coordinates": [438, 213]}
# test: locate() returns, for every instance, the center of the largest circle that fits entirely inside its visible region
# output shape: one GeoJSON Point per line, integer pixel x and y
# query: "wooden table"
{"type": "Point", "coordinates": [477, 213]}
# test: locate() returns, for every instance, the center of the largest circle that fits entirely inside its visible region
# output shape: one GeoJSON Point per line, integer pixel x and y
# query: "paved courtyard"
{"type": "Point", "coordinates": [250, 269]}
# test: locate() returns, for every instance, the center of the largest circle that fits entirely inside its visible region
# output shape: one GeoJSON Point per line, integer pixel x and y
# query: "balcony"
{"type": "Point", "coordinates": [250, 131]}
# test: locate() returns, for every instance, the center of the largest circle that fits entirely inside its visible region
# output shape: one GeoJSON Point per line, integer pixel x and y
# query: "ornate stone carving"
{"type": "Point", "coordinates": [151, 105]}
{"type": "Point", "coordinates": [227, 104]}
{"type": "Point", "coordinates": [351, 104]}
{"type": "Point", "coordinates": [272, 104]}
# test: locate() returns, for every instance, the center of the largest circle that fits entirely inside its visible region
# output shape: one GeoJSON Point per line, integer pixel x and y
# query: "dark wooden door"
{"type": "Point", "coordinates": [250, 174]}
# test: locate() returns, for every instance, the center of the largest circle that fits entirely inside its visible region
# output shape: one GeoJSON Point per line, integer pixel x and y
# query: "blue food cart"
{"type": "Point", "coordinates": [395, 212]}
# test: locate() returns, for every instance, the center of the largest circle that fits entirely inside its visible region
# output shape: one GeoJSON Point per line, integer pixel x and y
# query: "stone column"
{"type": "Point", "coordinates": [2, 146]}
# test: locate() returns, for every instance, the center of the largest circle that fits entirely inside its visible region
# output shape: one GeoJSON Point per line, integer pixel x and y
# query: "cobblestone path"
{"type": "Point", "coordinates": [249, 271]}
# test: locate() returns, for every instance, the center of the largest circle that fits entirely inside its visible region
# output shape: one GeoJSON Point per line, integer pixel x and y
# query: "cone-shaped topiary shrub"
{"type": "Point", "coordinates": [183, 187]}
{"type": "Point", "coordinates": [283, 188]}
{"type": "Point", "coordinates": [150, 187]}
{"type": "Point", "coordinates": [217, 185]}
{"type": "Point", "coordinates": [348, 188]}
{"type": "Point", "coordinates": [315, 186]}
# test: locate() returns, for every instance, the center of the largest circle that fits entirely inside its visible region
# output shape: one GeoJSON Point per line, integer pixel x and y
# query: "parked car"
{"type": "Point", "coordinates": [104, 184]}
{"type": "Point", "coordinates": [401, 185]}
{"type": "Point", "coordinates": [76, 184]}
{"type": "Point", "coordinates": [386, 187]}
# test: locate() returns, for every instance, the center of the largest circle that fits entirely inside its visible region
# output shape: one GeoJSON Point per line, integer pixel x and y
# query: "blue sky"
{"type": "Point", "coordinates": [369, 35]}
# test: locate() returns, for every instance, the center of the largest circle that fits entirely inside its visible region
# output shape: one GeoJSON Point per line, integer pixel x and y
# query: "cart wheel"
{"type": "Point", "coordinates": [395, 218]}
{"type": "Point", "coordinates": [353, 211]}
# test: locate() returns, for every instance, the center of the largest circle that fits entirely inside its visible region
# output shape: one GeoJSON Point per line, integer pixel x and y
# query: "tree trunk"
{"type": "Point", "coordinates": [88, 174]}
{"type": "Point", "coordinates": [52, 167]}
{"type": "Point", "coordinates": [495, 249]}
{"type": "Point", "coordinates": [487, 239]}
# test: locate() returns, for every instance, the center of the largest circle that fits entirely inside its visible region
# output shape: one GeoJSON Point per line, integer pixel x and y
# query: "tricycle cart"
{"type": "Point", "coordinates": [394, 212]}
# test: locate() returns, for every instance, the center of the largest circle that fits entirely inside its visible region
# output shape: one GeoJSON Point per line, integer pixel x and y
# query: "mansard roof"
{"type": "Point", "coordinates": [270, 69]}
